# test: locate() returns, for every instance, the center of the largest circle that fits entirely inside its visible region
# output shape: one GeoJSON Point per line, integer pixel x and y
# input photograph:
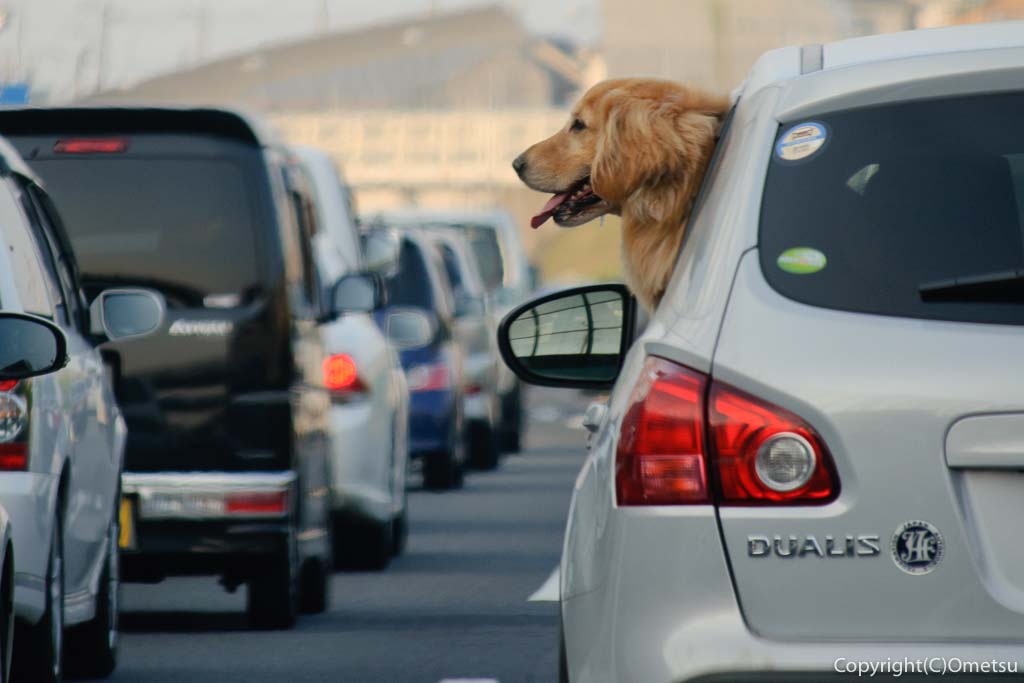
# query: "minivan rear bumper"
{"type": "Point", "coordinates": [180, 525]}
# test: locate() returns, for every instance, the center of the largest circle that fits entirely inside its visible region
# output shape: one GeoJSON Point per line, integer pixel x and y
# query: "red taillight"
{"type": "Point", "coordinates": [428, 377]}
{"type": "Point", "coordinates": [256, 503]}
{"type": "Point", "coordinates": [741, 427]}
{"type": "Point", "coordinates": [759, 454]}
{"type": "Point", "coordinates": [660, 458]}
{"type": "Point", "coordinates": [341, 374]}
{"type": "Point", "coordinates": [13, 456]}
{"type": "Point", "coordinates": [8, 384]}
{"type": "Point", "coordinates": [473, 389]}
{"type": "Point", "coordinates": [91, 146]}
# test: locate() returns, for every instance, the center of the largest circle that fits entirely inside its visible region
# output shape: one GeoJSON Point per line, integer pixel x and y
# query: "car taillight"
{"type": "Point", "coordinates": [341, 374]}
{"type": "Point", "coordinates": [256, 503]}
{"type": "Point", "coordinates": [91, 146]}
{"type": "Point", "coordinates": [764, 454]}
{"type": "Point", "coordinates": [13, 436]}
{"type": "Point", "coordinates": [660, 458]}
{"type": "Point", "coordinates": [433, 377]}
{"type": "Point", "coordinates": [473, 389]}
{"type": "Point", "coordinates": [8, 384]}
{"type": "Point", "coordinates": [679, 426]}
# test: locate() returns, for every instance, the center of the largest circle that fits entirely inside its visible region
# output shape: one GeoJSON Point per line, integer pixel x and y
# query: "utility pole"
{"type": "Point", "coordinates": [101, 58]}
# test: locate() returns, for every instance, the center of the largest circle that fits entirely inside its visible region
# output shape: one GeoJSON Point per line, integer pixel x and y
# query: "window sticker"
{"type": "Point", "coordinates": [801, 261]}
{"type": "Point", "coordinates": [801, 141]}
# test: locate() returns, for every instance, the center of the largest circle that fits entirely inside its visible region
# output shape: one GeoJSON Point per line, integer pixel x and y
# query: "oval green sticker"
{"type": "Point", "coordinates": [801, 261]}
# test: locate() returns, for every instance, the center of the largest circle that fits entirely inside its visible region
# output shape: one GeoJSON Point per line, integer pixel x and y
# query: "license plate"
{"type": "Point", "coordinates": [126, 517]}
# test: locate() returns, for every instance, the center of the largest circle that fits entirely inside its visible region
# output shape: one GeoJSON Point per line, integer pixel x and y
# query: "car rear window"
{"type": "Point", "coordinates": [877, 209]}
{"type": "Point", "coordinates": [484, 242]}
{"type": "Point", "coordinates": [141, 220]}
{"type": "Point", "coordinates": [411, 284]}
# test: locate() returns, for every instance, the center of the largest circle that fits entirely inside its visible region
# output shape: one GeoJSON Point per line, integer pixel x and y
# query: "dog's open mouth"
{"type": "Point", "coordinates": [572, 207]}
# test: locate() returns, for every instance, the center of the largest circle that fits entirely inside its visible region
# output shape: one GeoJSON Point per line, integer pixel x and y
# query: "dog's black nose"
{"type": "Point", "coordinates": [519, 164]}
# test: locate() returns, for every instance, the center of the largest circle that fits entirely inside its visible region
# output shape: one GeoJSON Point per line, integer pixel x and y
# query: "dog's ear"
{"type": "Point", "coordinates": [646, 142]}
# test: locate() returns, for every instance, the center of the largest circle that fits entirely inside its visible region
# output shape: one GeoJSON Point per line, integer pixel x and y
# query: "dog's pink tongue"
{"type": "Point", "coordinates": [548, 209]}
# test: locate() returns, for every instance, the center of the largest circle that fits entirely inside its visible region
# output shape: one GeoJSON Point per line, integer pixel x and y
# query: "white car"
{"type": "Point", "coordinates": [62, 442]}
{"type": "Point", "coordinates": [809, 465]}
{"type": "Point", "coordinates": [369, 394]}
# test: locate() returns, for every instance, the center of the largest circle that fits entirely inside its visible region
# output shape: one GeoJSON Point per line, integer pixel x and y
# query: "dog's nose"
{"type": "Point", "coordinates": [519, 164]}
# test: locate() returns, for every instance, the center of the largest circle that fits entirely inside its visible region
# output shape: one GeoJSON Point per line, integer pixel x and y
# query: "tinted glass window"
{"type": "Point", "coordinates": [451, 266]}
{"type": "Point", "coordinates": [24, 257]}
{"type": "Point", "coordinates": [140, 220]}
{"type": "Point", "coordinates": [899, 198]}
{"type": "Point", "coordinates": [484, 242]}
{"type": "Point", "coordinates": [411, 285]}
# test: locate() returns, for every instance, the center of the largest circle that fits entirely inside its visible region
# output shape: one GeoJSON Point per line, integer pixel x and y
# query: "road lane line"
{"type": "Point", "coordinates": [549, 591]}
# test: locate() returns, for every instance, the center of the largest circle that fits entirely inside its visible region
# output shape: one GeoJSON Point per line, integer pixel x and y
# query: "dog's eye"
{"type": "Point", "coordinates": [577, 125]}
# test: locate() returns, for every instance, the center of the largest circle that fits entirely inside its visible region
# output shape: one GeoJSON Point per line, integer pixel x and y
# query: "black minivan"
{"type": "Point", "coordinates": [226, 463]}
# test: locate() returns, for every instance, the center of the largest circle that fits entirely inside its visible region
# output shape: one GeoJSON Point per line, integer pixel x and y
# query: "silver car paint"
{"type": "Point", "coordinates": [647, 593]}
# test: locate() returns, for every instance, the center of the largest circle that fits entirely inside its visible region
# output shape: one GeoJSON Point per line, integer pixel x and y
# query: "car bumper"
{"type": "Point", "coordinates": [177, 526]}
{"type": "Point", "coordinates": [358, 487]}
{"type": "Point", "coordinates": [664, 611]}
{"type": "Point", "coordinates": [432, 417]}
{"type": "Point", "coordinates": [29, 499]}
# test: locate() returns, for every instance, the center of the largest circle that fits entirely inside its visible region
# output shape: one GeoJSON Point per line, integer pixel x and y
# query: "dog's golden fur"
{"type": "Point", "coordinates": [645, 145]}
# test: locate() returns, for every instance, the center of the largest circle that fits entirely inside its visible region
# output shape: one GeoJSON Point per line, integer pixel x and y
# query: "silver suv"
{"type": "Point", "coordinates": [810, 462]}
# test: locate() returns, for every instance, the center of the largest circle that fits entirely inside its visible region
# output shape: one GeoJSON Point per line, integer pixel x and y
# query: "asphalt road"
{"type": "Point", "coordinates": [455, 606]}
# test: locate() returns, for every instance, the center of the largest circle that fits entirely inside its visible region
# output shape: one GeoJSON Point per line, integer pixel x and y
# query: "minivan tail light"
{"type": "Point", "coordinates": [91, 146]}
{"type": "Point", "coordinates": [428, 377]}
{"type": "Point", "coordinates": [341, 375]}
{"type": "Point", "coordinates": [764, 454]}
{"type": "Point", "coordinates": [256, 503]}
{"type": "Point", "coordinates": [8, 384]}
{"type": "Point", "coordinates": [13, 456]}
{"type": "Point", "coordinates": [660, 456]}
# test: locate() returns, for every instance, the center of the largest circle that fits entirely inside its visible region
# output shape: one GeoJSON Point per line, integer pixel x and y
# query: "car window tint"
{"type": "Point", "coordinates": [411, 285]}
{"type": "Point", "coordinates": [30, 278]}
{"type": "Point", "coordinates": [140, 220]}
{"type": "Point", "coordinates": [486, 248]}
{"type": "Point", "coordinates": [45, 247]}
{"type": "Point", "coordinates": [899, 196]}
{"type": "Point", "coordinates": [67, 269]}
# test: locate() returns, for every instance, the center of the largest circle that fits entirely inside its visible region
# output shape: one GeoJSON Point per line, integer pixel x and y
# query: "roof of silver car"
{"type": "Point", "coordinates": [790, 62]}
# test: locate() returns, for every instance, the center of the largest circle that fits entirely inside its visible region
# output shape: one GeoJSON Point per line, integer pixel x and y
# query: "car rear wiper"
{"type": "Point", "coordinates": [1005, 286]}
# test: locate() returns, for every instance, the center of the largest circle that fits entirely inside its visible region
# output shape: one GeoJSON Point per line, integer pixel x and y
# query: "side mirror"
{"type": "Point", "coordinates": [357, 293]}
{"type": "Point", "coordinates": [573, 338]}
{"type": "Point", "coordinates": [30, 346]}
{"type": "Point", "coordinates": [381, 249]}
{"type": "Point", "coordinates": [126, 312]}
{"type": "Point", "coordinates": [409, 328]}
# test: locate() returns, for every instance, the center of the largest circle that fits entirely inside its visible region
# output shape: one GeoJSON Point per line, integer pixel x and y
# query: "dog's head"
{"type": "Point", "coordinates": [623, 137]}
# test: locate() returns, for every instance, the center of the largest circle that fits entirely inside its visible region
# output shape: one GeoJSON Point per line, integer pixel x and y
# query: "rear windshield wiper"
{"type": "Point", "coordinates": [1005, 286]}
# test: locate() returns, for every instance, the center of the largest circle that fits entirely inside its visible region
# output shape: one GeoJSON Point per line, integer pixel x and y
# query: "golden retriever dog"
{"type": "Point", "coordinates": [637, 148]}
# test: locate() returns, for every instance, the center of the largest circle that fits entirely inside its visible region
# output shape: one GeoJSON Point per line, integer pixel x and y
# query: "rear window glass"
{"type": "Point", "coordinates": [140, 220]}
{"type": "Point", "coordinates": [889, 206]}
{"type": "Point", "coordinates": [411, 285]}
{"type": "Point", "coordinates": [484, 242]}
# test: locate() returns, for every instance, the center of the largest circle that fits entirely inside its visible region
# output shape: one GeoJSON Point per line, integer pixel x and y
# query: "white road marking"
{"type": "Point", "coordinates": [550, 591]}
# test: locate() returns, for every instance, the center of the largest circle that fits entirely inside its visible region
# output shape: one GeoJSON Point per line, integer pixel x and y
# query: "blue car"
{"type": "Point", "coordinates": [419, 320]}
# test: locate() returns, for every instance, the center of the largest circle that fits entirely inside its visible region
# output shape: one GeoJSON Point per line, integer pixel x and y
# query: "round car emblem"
{"type": "Point", "coordinates": [917, 547]}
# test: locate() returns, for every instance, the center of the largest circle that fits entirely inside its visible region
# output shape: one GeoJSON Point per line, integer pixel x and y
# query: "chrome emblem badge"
{"type": "Point", "coordinates": [917, 547]}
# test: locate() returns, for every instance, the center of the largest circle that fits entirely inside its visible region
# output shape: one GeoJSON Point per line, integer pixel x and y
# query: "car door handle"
{"type": "Point", "coordinates": [594, 416]}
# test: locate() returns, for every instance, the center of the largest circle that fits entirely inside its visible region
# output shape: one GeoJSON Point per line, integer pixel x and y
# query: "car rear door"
{"type": "Point", "coordinates": [849, 315]}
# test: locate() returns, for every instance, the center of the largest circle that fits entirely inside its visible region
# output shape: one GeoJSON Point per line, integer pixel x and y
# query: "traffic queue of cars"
{"type": "Point", "coordinates": [207, 369]}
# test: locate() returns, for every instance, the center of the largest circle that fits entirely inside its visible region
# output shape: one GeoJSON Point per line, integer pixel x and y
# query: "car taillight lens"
{"type": "Point", "coordinates": [757, 453]}
{"type": "Point", "coordinates": [8, 384]}
{"type": "Point", "coordinates": [91, 146]}
{"type": "Point", "coordinates": [13, 435]}
{"type": "Point", "coordinates": [256, 503]}
{"type": "Point", "coordinates": [433, 377]}
{"type": "Point", "coordinates": [341, 374]}
{"type": "Point", "coordinates": [764, 454]}
{"type": "Point", "coordinates": [660, 457]}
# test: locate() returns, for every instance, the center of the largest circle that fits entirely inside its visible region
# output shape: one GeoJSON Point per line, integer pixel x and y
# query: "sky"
{"type": "Point", "coordinates": [59, 45]}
